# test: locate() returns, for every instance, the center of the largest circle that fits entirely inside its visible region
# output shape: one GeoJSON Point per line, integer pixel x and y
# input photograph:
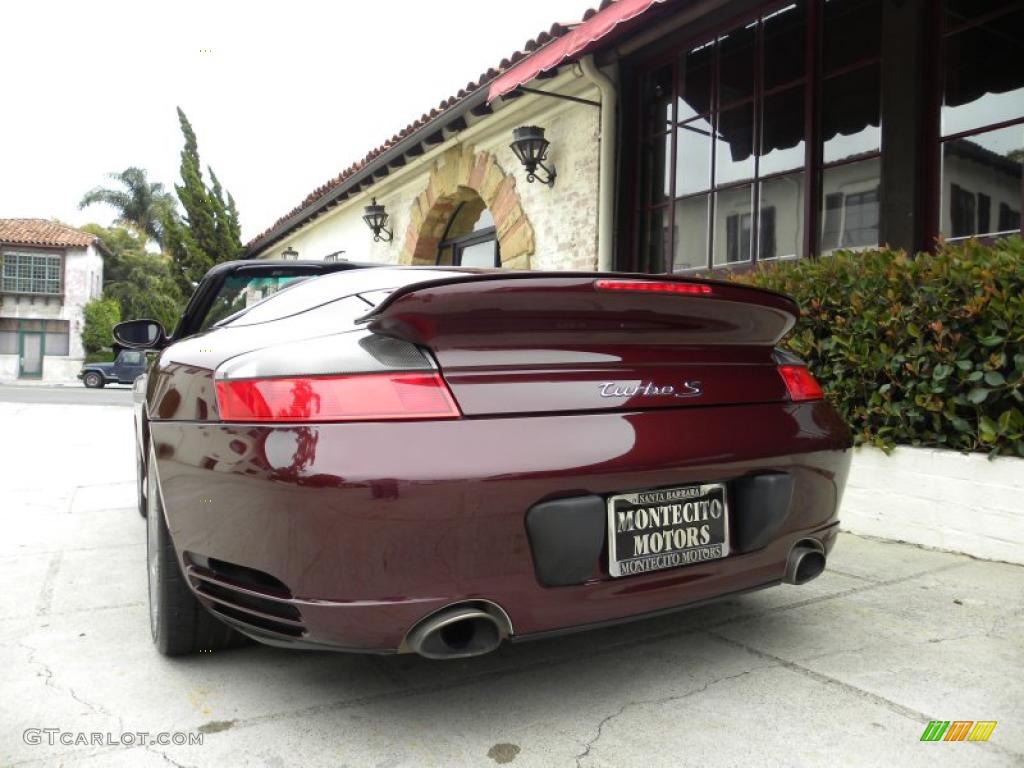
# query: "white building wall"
{"type": "Point", "coordinates": [564, 218]}
{"type": "Point", "coordinates": [83, 281]}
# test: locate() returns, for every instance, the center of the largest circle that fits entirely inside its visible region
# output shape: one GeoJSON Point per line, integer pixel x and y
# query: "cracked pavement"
{"type": "Point", "coordinates": [846, 670]}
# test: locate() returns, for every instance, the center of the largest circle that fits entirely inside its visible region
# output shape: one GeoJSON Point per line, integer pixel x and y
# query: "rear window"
{"type": "Point", "coordinates": [242, 291]}
{"type": "Point", "coordinates": [314, 293]}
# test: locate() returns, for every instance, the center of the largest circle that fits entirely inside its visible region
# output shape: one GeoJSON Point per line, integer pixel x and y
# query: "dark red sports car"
{"type": "Point", "coordinates": [435, 460]}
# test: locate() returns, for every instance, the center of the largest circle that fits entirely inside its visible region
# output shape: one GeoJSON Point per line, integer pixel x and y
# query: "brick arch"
{"type": "Point", "coordinates": [464, 176]}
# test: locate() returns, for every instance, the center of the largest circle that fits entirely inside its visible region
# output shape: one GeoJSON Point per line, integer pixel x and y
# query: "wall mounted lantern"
{"type": "Point", "coordinates": [531, 148]}
{"type": "Point", "coordinates": [376, 219]}
{"type": "Point", "coordinates": [290, 253]}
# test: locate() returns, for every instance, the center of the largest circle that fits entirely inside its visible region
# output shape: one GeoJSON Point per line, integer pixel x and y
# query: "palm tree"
{"type": "Point", "coordinates": [140, 205]}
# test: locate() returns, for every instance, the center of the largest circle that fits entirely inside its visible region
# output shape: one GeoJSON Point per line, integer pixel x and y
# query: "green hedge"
{"type": "Point", "coordinates": [103, 356]}
{"type": "Point", "coordinates": [926, 351]}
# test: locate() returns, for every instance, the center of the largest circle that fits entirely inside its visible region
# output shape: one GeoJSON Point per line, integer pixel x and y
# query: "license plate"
{"type": "Point", "coordinates": [653, 530]}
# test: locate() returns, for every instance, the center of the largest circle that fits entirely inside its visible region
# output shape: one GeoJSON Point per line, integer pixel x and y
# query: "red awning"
{"type": "Point", "coordinates": [596, 28]}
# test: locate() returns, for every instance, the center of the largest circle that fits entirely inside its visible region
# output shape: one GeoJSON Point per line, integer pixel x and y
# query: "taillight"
{"type": "Point", "coordinates": [364, 397]}
{"type": "Point", "coordinates": [653, 286]}
{"type": "Point", "coordinates": [800, 384]}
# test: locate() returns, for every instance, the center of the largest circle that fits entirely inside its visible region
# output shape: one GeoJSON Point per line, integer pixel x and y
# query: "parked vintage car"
{"type": "Point", "coordinates": [127, 366]}
{"type": "Point", "coordinates": [434, 460]}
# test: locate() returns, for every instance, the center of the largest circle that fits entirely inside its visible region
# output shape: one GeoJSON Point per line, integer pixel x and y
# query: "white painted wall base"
{"type": "Point", "coordinates": [56, 370]}
{"type": "Point", "coordinates": [941, 499]}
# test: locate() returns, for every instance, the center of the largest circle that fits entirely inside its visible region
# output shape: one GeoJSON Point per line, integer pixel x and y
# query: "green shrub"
{"type": "Point", "coordinates": [100, 317]}
{"type": "Point", "coordinates": [103, 356]}
{"type": "Point", "coordinates": [926, 351]}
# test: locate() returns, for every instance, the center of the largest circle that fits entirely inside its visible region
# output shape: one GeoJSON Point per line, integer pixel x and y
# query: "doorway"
{"type": "Point", "coordinates": [30, 355]}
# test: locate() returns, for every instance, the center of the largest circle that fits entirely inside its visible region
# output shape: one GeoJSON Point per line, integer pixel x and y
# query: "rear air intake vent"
{"type": "Point", "coordinates": [245, 596]}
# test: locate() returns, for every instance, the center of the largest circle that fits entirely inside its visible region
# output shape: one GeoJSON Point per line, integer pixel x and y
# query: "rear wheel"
{"type": "Point", "coordinates": [179, 624]}
{"type": "Point", "coordinates": [93, 380]}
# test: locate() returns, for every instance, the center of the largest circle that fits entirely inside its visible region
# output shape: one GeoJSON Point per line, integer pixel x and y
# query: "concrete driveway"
{"type": "Point", "coordinates": [847, 670]}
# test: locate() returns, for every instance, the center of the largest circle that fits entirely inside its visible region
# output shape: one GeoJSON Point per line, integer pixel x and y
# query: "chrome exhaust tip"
{"type": "Point", "coordinates": [806, 562]}
{"type": "Point", "coordinates": [458, 632]}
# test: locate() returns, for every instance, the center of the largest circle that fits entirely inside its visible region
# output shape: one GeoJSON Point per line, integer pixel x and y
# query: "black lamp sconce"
{"type": "Point", "coordinates": [531, 148]}
{"type": "Point", "coordinates": [290, 253]}
{"type": "Point", "coordinates": [376, 219]}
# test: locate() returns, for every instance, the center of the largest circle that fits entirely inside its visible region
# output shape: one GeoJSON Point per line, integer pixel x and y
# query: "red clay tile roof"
{"type": "Point", "coordinates": [43, 232]}
{"type": "Point", "coordinates": [534, 44]}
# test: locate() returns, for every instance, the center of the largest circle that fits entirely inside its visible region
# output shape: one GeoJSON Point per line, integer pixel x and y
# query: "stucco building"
{"type": "Point", "coordinates": [49, 272]}
{"type": "Point", "coordinates": [690, 135]}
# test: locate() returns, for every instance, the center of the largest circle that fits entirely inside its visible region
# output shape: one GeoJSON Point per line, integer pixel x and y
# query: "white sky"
{"type": "Point", "coordinates": [292, 92]}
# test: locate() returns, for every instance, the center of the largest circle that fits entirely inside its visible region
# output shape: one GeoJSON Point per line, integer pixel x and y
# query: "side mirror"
{"type": "Point", "coordinates": [140, 334]}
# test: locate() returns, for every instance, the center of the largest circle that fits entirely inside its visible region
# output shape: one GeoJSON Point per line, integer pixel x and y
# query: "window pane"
{"type": "Point", "coordinates": [8, 343]}
{"type": "Point", "coordinates": [784, 45]}
{"type": "Point", "coordinates": [733, 222]}
{"type": "Point", "coordinates": [31, 273]}
{"type": "Point", "coordinates": [781, 232]}
{"type": "Point", "coordinates": [695, 77]}
{"type": "Point", "coordinates": [734, 144]}
{"type": "Point", "coordinates": [984, 75]}
{"type": "Point", "coordinates": [56, 344]}
{"type": "Point", "coordinates": [656, 241]}
{"type": "Point", "coordinates": [691, 221]}
{"type": "Point", "coordinates": [484, 221]}
{"type": "Point", "coordinates": [849, 205]}
{"type": "Point", "coordinates": [693, 157]}
{"type": "Point", "coordinates": [860, 225]}
{"type": "Point", "coordinates": [479, 254]}
{"type": "Point", "coordinates": [852, 32]}
{"type": "Point", "coordinates": [981, 183]}
{"type": "Point", "coordinates": [851, 114]}
{"type": "Point", "coordinates": [961, 211]}
{"type": "Point", "coordinates": [658, 169]}
{"type": "Point", "coordinates": [657, 96]}
{"type": "Point", "coordinates": [782, 132]}
{"type": "Point", "coordinates": [736, 66]}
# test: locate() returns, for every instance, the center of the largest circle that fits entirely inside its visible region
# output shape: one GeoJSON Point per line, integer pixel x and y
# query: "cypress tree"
{"type": "Point", "coordinates": [209, 232]}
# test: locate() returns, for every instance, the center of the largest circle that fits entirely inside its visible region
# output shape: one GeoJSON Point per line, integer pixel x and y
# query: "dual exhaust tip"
{"type": "Point", "coordinates": [459, 631]}
{"type": "Point", "coordinates": [474, 628]}
{"type": "Point", "coordinates": [806, 562]}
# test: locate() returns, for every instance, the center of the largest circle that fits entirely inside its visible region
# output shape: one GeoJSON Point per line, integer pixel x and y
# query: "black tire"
{"type": "Point", "coordinates": [179, 624]}
{"type": "Point", "coordinates": [93, 380]}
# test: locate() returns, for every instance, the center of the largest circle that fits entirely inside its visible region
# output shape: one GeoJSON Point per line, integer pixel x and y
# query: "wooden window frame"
{"type": "Point", "coordinates": [812, 170]}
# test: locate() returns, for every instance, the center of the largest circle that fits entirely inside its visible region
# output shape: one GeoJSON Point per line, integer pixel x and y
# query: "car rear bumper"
{"type": "Point", "coordinates": [346, 535]}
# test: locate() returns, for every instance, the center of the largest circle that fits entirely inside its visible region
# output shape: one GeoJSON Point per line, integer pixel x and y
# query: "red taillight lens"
{"type": "Point", "coordinates": [653, 286]}
{"type": "Point", "coordinates": [800, 384]}
{"type": "Point", "coordinates": [367, 397]}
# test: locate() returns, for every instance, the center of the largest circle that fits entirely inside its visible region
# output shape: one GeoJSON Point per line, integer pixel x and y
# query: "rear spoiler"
{"type": "Point", "coordinates": [513, 308]}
